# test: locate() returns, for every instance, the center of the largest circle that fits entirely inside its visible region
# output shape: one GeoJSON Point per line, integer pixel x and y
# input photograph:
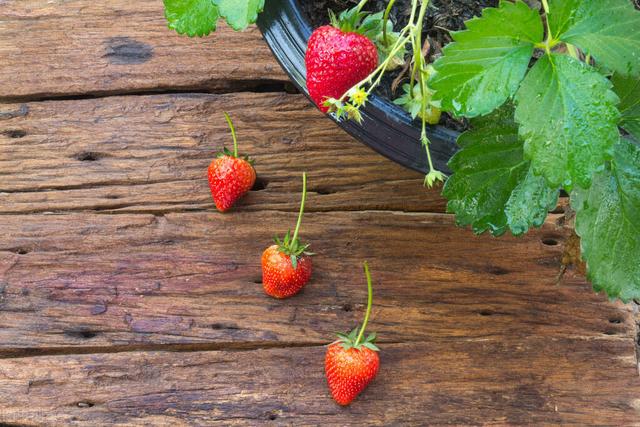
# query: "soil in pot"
{"type": "Point", "coordinates": [442, 16]}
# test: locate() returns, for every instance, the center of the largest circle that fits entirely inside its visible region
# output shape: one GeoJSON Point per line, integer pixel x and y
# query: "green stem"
{"type": "Point", "coordinates": [545, 5]}
{"type": "Point", "coordinates": [304, 196]}
{"type": "Point", "coordinates": [233, 134]}
{"type": "Point", "coordinates": [550, 42]}
{"type": "Point", "coordinates": [414, 8]}
{"type": "Point", "coordinates": [426, 146]}
{"type": "Point", "coordinates": [369, 304]}
{"type": "Point", "coordinates": [361, 5]}
{"type": "Point", "coordinates": [385, 19]}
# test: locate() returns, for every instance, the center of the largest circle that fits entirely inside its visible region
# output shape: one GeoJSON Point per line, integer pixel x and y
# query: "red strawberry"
{"type": "Point", "coordinates": [338, 57]}
{"type": "Point", "coordinates": [286, 266]}
{"type": "Point", "coordinates": [230, 176]}
{"type": "Point", "coordinates": [352, 362]}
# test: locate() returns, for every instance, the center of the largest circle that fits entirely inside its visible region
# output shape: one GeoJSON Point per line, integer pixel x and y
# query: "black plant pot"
{"type": "Point", "coordinates": [385, 127]}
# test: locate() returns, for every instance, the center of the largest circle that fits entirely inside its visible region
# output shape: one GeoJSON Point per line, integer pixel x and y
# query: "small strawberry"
{"type": "Point", "coordinates": [339, 56]}
{"type": "Point", "coordinates": [286, 266]}
{"type": "Point", "coordinates": [230, 176]}
{"type": "Point", "coordinates": [352, 362]}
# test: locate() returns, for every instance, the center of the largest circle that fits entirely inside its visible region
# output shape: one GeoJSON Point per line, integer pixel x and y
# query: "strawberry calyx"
{"type": "Point", "coordinates": [354, 20]}
{"type": "Point", "coordinates": [355, 338]}
{"type": "Point", "coordinates": [228, 153]}
{"type": "Point", "coordinates": [291, 245]}
{"type": "Point", "coordinates": [348, 341]}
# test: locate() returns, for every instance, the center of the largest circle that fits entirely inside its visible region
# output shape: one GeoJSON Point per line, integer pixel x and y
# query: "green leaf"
{"type": "Point", "coordinates": [608, 224]}
{"type": "Point", "coordinates": [529, 203]}
{"type": "Point", "coordinates": [492, 179]}
{"type": "Point", "coordinates": [607, 29]}
{"type": "Point", "coordinates": [568, 120]}
{"type": "Point", "coordinates": [372, 28]}
{"type": "Point", "coordinates": [240, 13]}
{"type": "Point", "coordinates": [191, 17]}
{"type": "Point", "coordinates": [486, 63]}
{"type": "Point", "coordinates": [628, 89]}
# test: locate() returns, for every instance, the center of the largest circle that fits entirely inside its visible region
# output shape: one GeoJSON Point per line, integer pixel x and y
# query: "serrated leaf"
{"type": "Point", "coordinates": [484, 65]}
{"type": "Point", "coordinates": [191, 17]}
{"type": "Point", "coordinates": [628, 89]}
{"type": "Point", "coordinates": [608, 224]}
{"type": "Point", "coordinates": [492, 175]}
{"type": "Point", "coordinates": [568, 120]}
{"type": "Point", "coordinates": [240, 13]}
{"type": "Point", "coordinates": [529, 203]}
{"type": "Point", "coordinates": [606, 29]}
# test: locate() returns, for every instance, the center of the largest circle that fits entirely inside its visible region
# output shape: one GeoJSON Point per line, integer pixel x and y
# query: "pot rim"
{"type": "Point", "coordinates": [385, 127]}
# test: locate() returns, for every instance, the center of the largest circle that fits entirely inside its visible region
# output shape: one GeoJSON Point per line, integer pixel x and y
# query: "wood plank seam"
{"type": "Point", "coordinates": [241, 86]}
{"type": "Point", "coordinates": [248, 346]}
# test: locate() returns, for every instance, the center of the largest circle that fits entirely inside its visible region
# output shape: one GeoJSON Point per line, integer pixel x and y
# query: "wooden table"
{"type": "Point", "coordinates": [125, 298]}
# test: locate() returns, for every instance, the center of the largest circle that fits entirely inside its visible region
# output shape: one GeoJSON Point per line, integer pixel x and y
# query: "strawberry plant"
{"type": "Point", "coordinates": [417, 98]}
{"type": "Point", "coordinates": [569, 121]}
{"type": "Point", "coordinates": [199, 17]}
{"type": "Point", "coordinates": [553, 99]}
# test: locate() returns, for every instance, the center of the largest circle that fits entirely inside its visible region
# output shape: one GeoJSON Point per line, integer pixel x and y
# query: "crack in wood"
{"type": "Point", "coordinates": [235, 86]}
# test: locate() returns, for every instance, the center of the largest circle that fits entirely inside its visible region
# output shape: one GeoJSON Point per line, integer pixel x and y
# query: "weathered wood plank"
{"type": "Point", "coordinates": [533, 381]}
{"type": "Point", "coordinates": [94, 281]}
{"type": "Point", "coordinates": [74, 47]}
{"type": "Point", "coordinates": [150, 154]}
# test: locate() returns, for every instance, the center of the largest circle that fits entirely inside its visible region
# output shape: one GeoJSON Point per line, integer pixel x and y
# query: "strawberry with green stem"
{"type": "Point", "coordinates": [230, 176]}
{"type": "Point", "coordinates": [417, 94]}
{"type": "Point", "coordinates": [286, 266]}
{"type": "Point", "coordinates": [352, 362]}
{"type": "Point", "coordinates": [338, 56]}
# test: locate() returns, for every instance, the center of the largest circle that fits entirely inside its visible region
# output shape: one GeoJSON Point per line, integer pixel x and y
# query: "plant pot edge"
{"type": "Point", "coordinates": [385, 128]}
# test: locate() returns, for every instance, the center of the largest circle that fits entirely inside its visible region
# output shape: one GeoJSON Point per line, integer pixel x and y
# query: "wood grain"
{"type": "Point", "coordinates": [150, 154]}
{"type": "Point", "coordinates": [80, 47]}
{"type": "Point", "coordinates": [532, 381]}
{"type": "Point", "coordinates": [86, 282]}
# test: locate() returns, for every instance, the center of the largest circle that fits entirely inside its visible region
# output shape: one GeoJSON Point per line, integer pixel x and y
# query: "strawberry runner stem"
{"type": "Point", "coordinates": [385, 19]}
{"type": "Point", "coordinates": [361, 5]}
{"type": "Point", "coordinates": [233, 135]}
{"type": "Point", "coordinates": [369, 304]}
{"type": "Point", "coordinates": [304, 196]}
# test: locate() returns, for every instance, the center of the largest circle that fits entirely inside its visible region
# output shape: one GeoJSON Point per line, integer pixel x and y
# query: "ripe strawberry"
{"type": "Point", "coordinates": [351, 363]}
{"type": "Point", "coordinates": [230, 176]}
{"type": "Point", "coordinates": [286, 266]}
{"type": "Point", "coordinates": [338, 57]}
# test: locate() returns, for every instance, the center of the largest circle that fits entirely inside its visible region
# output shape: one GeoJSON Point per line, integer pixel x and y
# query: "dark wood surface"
{"type": "Point", "coordinates": [126, 299]}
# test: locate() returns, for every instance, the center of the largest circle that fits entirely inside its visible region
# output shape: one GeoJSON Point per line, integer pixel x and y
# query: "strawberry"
{"type": "Point", "coordinates": [230, 176]}
{"type": "Point", "coordinates": [352, 362]}
{"type": "Point", "coordinates": [338, 57]}
{"type": "Point", "coordinates": [286, 266]}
